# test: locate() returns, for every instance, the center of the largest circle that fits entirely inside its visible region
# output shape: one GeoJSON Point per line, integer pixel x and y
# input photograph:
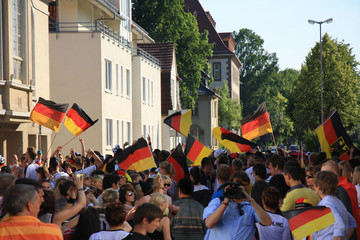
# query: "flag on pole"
{"type": "Point", "coordinates": [256, 124]}
{"type": "Point", "coordinates": [77, 121]}
{"type": "Point", "coordinates": [48, 113]}
{"type": "Point", "coordinates": [178, 160]}
{"type": "Point", "coordinates": [179, 122]}
{"type": "Point", "coordinates": [136, 157]}
{"type": "Point", "coordinates": [305, 221]}
{"type": "Point", "coordinates": [332, 136]}
{"type": "Point", "coordinates": [232, 141]}
{"type": "Point", "coordinates": [196, 151]}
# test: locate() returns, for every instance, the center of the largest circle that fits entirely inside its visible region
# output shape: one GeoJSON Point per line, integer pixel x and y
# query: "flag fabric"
{"type": "Point", "coordinates": [196, 151]}
{"type": "Point", "coordinates": [305, 221]}
{"type": "Point", "coordinates": [180, 122]}
{"type": "Point", "coordinates": [71, 162]}
{"type": "Point", "coordinates": [256, 124]}
{"type": "Point", "coordinates": [332, 136]}
{"type": "Point", "coordinates": [178, 160]}
{"type": "Point", "coordinates": [77, 121]}
{"type": "Point", "coordinates": [232, 141]}
{"type": "Point", "coordinates": [136, 157]}
{"type": "Point", "coordinates": [48, 113]}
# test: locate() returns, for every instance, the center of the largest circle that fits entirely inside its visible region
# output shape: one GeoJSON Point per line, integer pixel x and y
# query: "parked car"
{"type": "Point", "coordinates": [293, 148]}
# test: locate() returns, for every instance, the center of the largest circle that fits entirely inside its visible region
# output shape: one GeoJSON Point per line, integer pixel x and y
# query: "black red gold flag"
{"type": "Point", "coordinates": [136, 157]}
{"type": "Point", "coordinates": [179, 122]}
{"type": "Point", "coordinates": [48, 113]}
{"type": "Point", "coordinates": [232, 141]}
{"type": "Point", "coordinates": [332, 136]}
{"type": "Point", "coordinates": [256, 124]}
{"type": "Point", "coordinates": [305, 221]}
{"type": "Point", "coordinates": [77, 121]}
{"type": "Point", "coordinates": [178, 160]}
{"type": "Point", "coordinates": [196, 151]}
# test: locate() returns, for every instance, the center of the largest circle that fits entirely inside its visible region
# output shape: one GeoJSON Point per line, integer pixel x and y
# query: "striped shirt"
{"type": "Point", "coordinates": [28, 228]}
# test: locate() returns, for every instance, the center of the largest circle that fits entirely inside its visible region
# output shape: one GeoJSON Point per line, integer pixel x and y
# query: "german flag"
{"type": "Point", "coordinates": [332, 136]}
{"type": "Point", "coordinates": [305, 221]}
{"type": "Point", "coordinates": [232, 141]}
{"type": "Point", "coordinates": [48, 114]}
{"type": "Point", "coordinates": [71, 162]}
{"type": "Point", "coordinates": [180, 122]}
{"type": "Point", "coordinates": [136, 157]}
{"type": "Point", "coordinates": [256, 124]}
{"type": "Point", "coordinates": [196, 151]}
{"type": "Point", "coordinates": [77, 121]}
{"type": "Point", "coordinates": [178, 160]}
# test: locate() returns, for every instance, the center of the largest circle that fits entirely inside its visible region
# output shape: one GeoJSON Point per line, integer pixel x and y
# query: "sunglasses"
{"type": "Point", "coordinates": [167, 184]}
{"type": "Point", "coordinates": [309, 176]}
{"type": "Point", "coordinates": [130, 193]}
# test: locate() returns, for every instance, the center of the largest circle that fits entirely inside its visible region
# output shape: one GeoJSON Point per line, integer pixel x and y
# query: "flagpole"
{"type": "Point", "coordinates": [274, 142]}
{"type": "Point", "coordinates": [69, 141]}
{"type": "Point", "coordinates": [51, 144]}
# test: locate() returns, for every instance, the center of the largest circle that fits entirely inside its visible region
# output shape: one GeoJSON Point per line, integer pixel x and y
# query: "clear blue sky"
{"type": "Point", "coordinates": [283, 24]}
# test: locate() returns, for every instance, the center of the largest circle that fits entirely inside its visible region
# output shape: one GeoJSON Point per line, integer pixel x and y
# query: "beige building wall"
{"type": "Point", "coordinates": [147, 100]}
{"type": "Point", "coordinates": [78, 74]}
{"type": "Point", "coordinates": [24, 75]}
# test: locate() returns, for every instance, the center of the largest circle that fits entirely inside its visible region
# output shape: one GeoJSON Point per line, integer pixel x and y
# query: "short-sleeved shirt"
{"type": "Point", "coordinates": [343, 220]}
{"type": "Point", "coordinates": [296, 192]}
{"type": "Point", "coordinates": [278, 230]}
{"type": "Point", "coordinates": [232, 225]}
{"type": "Point", "coordinates": [109, 235]}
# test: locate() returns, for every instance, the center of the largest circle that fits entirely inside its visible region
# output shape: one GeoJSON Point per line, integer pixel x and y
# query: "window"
{"type": "Point", "coordinates": [108, 75]}
{"type": "Point", "coordinates": [144, 89]}
{"type": "Point", "coordinates": [17, 30]}
{"type": "Point", "coordinates": [195, 111]}
{"type": "Point", "coordinates": [128, 83]}
{"type": "Point", "coordinates": [122, 132]}
{"type": "Point", "coordinates": [122, 80]}
{"type": "Point", "coordinates": [129, 132]}
{"type": "Point", "coordinates": [118, 131]}
{"type": "Point", "coordinates": [144, 131]}
{"type": "Point", "coordinates": [109, 132]}
{"type": "Point", "coordinates": [217, 71]}
{"type": "Point", "coordinates": [152, 93]}
{"type": "Point", "coordinates": [148, 92]}
{"type": "Point", "coordinates": [117, 79]}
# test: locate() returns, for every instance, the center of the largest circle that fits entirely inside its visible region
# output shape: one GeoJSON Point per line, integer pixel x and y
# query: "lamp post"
{"type": "Point", "coordinates": [321, 78]}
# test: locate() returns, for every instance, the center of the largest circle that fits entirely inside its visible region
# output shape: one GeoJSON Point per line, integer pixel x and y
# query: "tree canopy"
{"type": "Point", "coordinates": [166, 21]}
{"type": "Point", "coordinates": [340, 86]}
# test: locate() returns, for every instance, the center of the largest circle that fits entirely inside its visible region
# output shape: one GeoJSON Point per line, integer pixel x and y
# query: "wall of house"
{"type": "Point", "coordinates": [224, 71]}
{"type": "Point", "coordinates": [235, 81]}
{"type": "Point", "coordinates": [147, 111]}
{"type": "Point", "coordinates": [18, 92]}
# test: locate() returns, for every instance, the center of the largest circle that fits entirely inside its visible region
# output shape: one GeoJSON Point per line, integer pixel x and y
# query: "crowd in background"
{"type": "Point", "coordinates": [87, 196]}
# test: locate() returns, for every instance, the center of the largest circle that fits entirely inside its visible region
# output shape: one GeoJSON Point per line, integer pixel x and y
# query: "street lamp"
{"type": "Point", "coordinates": [321, 78]}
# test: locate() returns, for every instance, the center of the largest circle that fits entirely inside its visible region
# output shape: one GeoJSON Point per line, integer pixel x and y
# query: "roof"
{"type": "Point", "coordinates": [162, 51]}
{"type": "Point", "coordinates": [204, 91]}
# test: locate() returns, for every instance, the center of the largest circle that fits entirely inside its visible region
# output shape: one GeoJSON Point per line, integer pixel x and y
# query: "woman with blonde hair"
{"type": "Point", "coordinates": [356, 182]}
{"type": "Point", "coordinates": [345, 170]}
{"type": "Point", "coordinates": [167, 169]}
{"type": "Point", "coordinates": [163, 231]}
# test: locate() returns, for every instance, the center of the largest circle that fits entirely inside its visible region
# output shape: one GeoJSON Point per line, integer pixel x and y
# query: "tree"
{"type": "Point", "coordinates": [229, 109]}
{"type": "Point", "coordinates": [340, 87]}
{"type": "Point", "coordinates": [166, 21]}
{"type": "Point", "coordinates": [258, 67]}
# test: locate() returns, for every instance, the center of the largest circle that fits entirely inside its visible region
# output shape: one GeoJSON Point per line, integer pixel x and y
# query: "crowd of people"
{"type": "Point", "coordinates": [86, 195]}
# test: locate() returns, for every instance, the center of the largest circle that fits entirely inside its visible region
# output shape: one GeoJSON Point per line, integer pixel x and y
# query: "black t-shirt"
{"type": "Point", "coordinates": [137, 236]}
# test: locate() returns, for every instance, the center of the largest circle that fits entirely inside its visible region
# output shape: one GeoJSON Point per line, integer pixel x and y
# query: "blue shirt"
{"type": "Point", "coordinates": [343, 220]}
{"type": "Point", "coordinates": [218, 193]}
{"type": "Point", "coordinates": [232, 225]}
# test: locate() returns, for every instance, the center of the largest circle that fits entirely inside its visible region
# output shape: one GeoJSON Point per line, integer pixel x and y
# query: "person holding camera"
{"type": "Point", "coordinates": [233, 214]}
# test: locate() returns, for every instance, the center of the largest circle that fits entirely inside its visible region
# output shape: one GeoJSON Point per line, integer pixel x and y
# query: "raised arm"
{"type": "Point", "coordinates": [82, 147]}
{"type": "Point", "coordinates": [98, 161]}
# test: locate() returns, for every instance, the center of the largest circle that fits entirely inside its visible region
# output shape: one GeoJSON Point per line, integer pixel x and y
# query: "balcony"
{"type": "Point", "coordinates": [146, 55]}
{"type": "Point", "coordinates": [89, 27]}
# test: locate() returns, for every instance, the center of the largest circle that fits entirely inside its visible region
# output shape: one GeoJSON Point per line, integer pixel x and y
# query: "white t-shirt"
{"type": "Point", "coordinates": [109, 235]}
{"type": "Point", "coordinates": [357, 186]}
{"type": "Point", "coordinates": [278, 230]}
{"type": "Point", "coordinates": [31, 171]}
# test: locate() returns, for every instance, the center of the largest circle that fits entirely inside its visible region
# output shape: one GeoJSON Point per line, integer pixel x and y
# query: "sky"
{"type": "Point", "coordinates": [283, 24]}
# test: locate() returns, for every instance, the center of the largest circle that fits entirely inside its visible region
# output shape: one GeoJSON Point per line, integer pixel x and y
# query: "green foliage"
{"type": "Point", "coordinates": [166, 21]}
{"type": "Point", "coordinates": [229, 109]}
{"type": "Point", "coordinates": [258, 69]}
{"type": "Point", "coordinates": [340, 87]}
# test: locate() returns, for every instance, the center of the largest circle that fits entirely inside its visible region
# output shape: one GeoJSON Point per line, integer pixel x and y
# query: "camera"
{"type": "Point", "coordinates": [233, 191]}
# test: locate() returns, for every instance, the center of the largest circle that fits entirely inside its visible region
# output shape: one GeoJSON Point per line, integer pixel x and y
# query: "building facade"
{"type": "Point", "coordinates": [24, 74]}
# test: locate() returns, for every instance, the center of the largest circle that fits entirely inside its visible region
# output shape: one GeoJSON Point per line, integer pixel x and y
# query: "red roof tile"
{"type": "Point", "coordinates": [162, 51]}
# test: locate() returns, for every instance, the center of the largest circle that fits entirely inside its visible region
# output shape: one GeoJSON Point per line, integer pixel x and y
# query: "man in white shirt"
{"type": "Point", "coordinates": [33, 166]}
